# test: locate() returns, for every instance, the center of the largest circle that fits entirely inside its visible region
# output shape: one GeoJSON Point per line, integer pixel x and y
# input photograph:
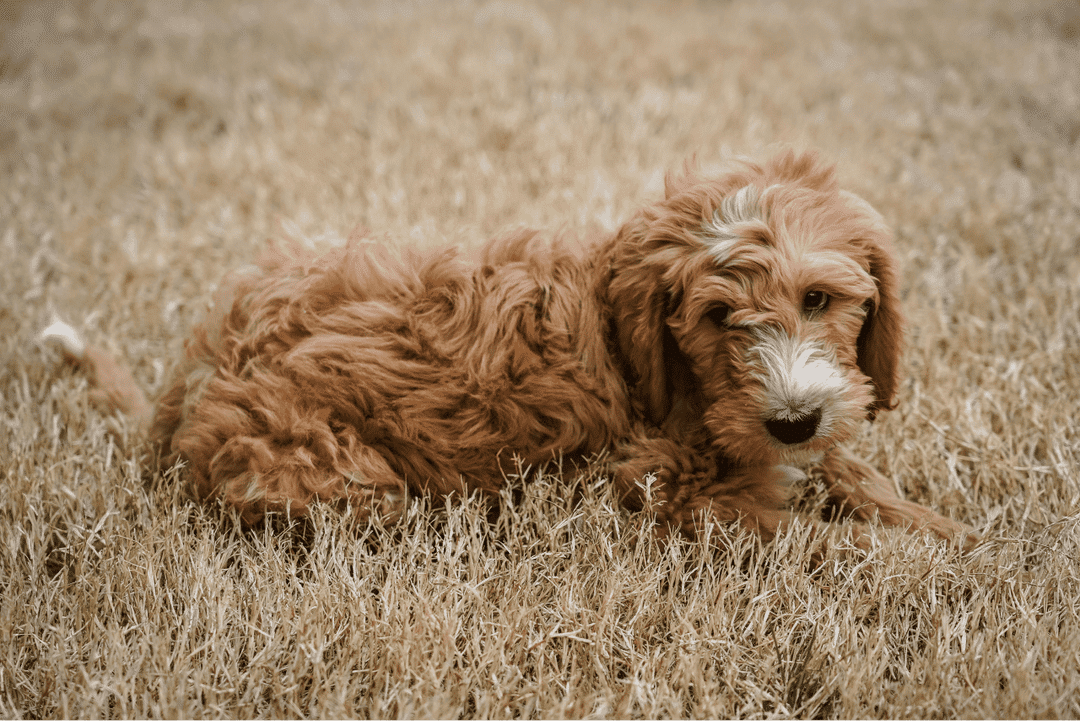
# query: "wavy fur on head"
{"type": "Point", "coordinates": [738, 327]}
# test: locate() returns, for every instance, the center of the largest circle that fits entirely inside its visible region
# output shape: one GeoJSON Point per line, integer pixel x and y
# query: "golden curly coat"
{"type": "Point", "coordinates": [739, 327]}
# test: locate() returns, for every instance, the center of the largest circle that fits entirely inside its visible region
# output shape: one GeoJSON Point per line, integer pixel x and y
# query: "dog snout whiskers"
{"type": "Point", "coordinates": [794, 429]}
{"type": "Point", "coordinates": [800, 384]}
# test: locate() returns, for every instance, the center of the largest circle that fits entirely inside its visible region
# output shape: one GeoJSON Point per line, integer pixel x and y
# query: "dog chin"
{"type": "Point", "coordinates": [762, 450]}
{"type": "Point", "coordinates": [804, 454]}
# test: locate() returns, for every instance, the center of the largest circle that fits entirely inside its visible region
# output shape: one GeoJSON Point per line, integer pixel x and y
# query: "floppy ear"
{"type": "Point", "coordinates": [882, 334]}
{"type": "Point", "coordinates": [640, 305]}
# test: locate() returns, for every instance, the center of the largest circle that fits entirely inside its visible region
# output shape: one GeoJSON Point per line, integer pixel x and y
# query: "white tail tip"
{"type": "Point", "coordinates": [66, 337]}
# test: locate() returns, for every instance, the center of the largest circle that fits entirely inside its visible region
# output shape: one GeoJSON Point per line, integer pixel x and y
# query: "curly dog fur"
{"type": "Point", "coordinates": [738, 327]}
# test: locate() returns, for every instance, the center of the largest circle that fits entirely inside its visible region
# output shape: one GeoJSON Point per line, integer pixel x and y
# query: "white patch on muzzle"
{"type": "Point", "coordinates": [798, 377]}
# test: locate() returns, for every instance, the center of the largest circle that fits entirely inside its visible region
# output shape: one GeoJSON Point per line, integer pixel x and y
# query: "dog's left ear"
{"type": "Point", "coordinates": [882, 334]}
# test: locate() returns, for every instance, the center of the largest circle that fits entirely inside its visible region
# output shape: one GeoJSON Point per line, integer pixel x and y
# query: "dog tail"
{"type": "Point", "coordinates": [113, 384]}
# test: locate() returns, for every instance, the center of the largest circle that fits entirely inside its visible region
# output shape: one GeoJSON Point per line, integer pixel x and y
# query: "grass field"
{"type": "Point", "coordinates": [147, 147]}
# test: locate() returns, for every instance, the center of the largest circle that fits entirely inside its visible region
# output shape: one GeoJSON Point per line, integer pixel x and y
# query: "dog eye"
{"type": "Point", "coordinates": [815, 300]}
{"type": "Point", "coordinates": [718, 314]}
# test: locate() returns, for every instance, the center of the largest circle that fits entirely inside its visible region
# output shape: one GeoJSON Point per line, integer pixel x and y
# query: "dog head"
{"type": "Point", "coordinates": [760, 306]}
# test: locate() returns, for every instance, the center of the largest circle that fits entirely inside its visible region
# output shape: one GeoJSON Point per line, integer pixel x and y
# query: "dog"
{"type": "Point", "coordinates": [738, 330]}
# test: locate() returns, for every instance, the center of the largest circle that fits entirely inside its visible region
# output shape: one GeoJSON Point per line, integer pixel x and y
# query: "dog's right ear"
{"type": "Point", "coordinates": [639, 304]}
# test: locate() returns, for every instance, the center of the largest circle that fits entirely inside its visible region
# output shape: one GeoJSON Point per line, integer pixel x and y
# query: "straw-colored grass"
{"type": "Point", "coordinates": [145, 148]}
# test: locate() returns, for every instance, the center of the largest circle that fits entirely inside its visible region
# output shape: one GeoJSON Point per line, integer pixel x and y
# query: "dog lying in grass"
{"type": "Point", "coordinates": [740, 328]}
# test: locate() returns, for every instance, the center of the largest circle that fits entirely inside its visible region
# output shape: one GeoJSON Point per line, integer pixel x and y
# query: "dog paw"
{"type": "Point", "coordinates": [963, 535]}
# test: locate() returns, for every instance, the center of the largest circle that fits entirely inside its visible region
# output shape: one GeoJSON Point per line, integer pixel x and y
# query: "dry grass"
{"type": "Point", "coordinates": [144, 148]}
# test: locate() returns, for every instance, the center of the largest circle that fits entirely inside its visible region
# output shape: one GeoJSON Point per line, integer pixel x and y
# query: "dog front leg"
{"type": "Point", "coordinates": [859, 490]}
{"type": "Point", "coordinates": [686, 489]}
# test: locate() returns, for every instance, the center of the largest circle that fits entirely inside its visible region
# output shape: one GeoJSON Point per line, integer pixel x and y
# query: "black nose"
{"type": "Point", "coordinates": [795, 429]}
